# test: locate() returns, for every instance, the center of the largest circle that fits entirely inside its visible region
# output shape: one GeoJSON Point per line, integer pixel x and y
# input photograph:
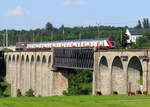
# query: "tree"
{"type": "Point", "coordinates": [19, 93]}
{"type": "Point", "coordinates": [147, 35]}
{"type": "Point", "coordinates": [49, 26]}
{"type": "Point", "coordinates": [80, 82]}
{"type": "Point", "coordinates": [144, 41]}
{"type": "Point", "coordinates": [122, 40]}
{"type": "Point", "coordinates": [139, 25]}
{"type": "Point", "coordinates": [63, 31]}
{"type": "Point", "coordinates": [146, 23]}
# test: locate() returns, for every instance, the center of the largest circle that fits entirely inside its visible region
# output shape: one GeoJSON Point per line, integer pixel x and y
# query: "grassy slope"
{"type": "Point", "coordinates": [75, 101]}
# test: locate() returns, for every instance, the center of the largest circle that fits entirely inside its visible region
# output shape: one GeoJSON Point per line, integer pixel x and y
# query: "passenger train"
{"type": "Point", "coordinates": [84, 43]}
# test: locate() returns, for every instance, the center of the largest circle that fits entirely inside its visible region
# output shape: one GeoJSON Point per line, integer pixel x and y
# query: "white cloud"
{"type": "Point", "coordinates": [68, 3]}
{"type": "Point", "coordinates": [75, 2]}
{"type": "Point", "coordinates": [80, 2]}
{"type": "Point", "coordinates": [18, 11]}
{"type": "Point", "coordinates": [52, 18]}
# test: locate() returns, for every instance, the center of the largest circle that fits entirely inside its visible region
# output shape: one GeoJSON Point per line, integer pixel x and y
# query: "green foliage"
{"type": "Point", "coordinates": [29, 93]}
{"type": "Point", "coordinates": [139, 25]}
{"type": "Point", "coordinates": [80, 82]}
{"type": "Point", "coordinates": [146, 23]}
{"type": "Point", "coordinates": [6, 50]}
{"type": "Point", "coordinates": [5, 88]}
{"type": "Point", "coordinates": [143, 42]}
{"type": "Point", "coordinates": [49, 26]}
{"type": "Point", "coordinates": [1, 92]}
{"type": "Point", "coordinates": [65, 93]}
{"type": "Point", "coordinates": [19, 93]}
{"type": "Point", "coordinates": [122, 41]}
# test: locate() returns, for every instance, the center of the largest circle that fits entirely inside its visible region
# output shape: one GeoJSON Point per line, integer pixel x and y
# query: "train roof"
{"type": "Point", "coordinates": [66, 41]}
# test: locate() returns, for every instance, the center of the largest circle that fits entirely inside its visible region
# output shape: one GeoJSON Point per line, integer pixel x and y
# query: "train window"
{"type": "Point", "coordinates": [112, 43]}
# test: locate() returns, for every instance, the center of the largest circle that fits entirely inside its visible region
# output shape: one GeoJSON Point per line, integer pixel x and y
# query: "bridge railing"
{"type": "Point", "coordinates": [75, 58]}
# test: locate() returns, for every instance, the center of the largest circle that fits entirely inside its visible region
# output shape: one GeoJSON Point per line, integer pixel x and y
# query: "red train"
{"type": "Point", "coordinates": [84, 43]}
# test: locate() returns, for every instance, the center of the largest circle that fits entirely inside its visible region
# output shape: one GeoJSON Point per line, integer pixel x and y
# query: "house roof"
{"type": "Point", "coordinates": [134, 31]}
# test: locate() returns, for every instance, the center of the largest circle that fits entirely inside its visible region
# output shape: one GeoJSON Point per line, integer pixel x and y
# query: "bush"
{"type": "Point", "coordinates": [19, 93]}
{"type": "Point", "coordinates": [65, 93]}
{"type": "Point", "coordinates": [30, 93]}
{"type": "Point", "coordinates": [5, 88]}
{"type": "Point", "coordinates": [6, 50]}
{"type": "Point", "coordinates": [80, 82]}
{"type": "Point", "coordinates": [1, 93]}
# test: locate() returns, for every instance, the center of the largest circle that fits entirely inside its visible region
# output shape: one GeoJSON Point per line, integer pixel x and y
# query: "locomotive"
{"type": "Point", "coordinates": [21, 45]}
{"type": "Point", "coordinates": [84, 43]}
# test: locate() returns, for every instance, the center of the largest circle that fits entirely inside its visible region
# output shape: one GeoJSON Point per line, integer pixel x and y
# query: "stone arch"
{"type": "Point", "coordinates": [32, 59]}
{"type": "Point", "coordinates": [27, 59]}
{"type": "Point", "coordinates": [9, 68]}
{"type": "Point", "coordinates": [27, 74]}
{"type": "Point", "coordinates": [44, 60]}
{"type": "Point", "coordinates": [9, 58]}
{"type": "Point", "coordinates": [22, 74]}
{"type": "Point", "coordinates": [49, 80]}
{"type": "Point", "coordinates": [103, 63]}
{"type": "Point", "coordinates": [104, 76]}
{"type": "Point", "coordinates": [134, 72]}
{"type": "Point", "coordinates": [13, 75]}
{"type": "Point", "coordinates": [44, 74]}
{"type": "Point", "coordinates": [17, 59]}
{"type": "Point", "coordinates": [117, 76]}
{"type": "Point", "coordinates": [5, 58]}
{"type": "Point", "coordinates": [49, 60]}
{"type": "Point", "coordinates": [32, 73]}
{"type": "Point", "coordinates": [38, 76]}
{"type": "Point", "coordinates": [13, 59]}
{"type": "Point", "coordinates": [22, 59]}
{"type": "Point", "coordinates": [38, 59]}
{"type": "Point", "coordinates": [17, 72]}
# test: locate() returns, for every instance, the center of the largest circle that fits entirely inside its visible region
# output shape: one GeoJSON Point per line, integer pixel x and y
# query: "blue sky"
{"type": "Point", "coordinates": [31, 14]}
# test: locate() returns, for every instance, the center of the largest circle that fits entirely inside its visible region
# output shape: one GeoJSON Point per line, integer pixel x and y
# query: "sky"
{"type": "Point", "coordinates": [32, 14]}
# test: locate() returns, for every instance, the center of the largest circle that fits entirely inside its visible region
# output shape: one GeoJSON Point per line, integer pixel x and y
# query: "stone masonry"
{"type": "Point", "coordinates": [33, 70]}
{"type": "Point", "coordinates": [114, 70]}
{"type": "Point", "coordinates": [120, 70]}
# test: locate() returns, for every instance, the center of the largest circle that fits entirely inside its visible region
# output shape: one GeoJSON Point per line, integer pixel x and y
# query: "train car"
{"type": "Point", "coordinates": [84, 43]}
{"type": "Point", "coordinates": [21, 45]}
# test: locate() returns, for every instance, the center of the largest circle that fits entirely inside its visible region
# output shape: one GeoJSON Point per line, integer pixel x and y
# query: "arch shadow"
{"type": "Point", "coordinates": [104, 76]}
{"type": "Point", "coordinates": [117, 77]}
{"type": "Point", "coordinates": [134, 74]}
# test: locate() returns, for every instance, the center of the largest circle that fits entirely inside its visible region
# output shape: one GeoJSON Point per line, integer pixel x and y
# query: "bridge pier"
{"type": "Point", "coordinates": [34, 70]}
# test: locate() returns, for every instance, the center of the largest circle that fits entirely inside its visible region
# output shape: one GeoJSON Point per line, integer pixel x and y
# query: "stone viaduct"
{"type": "Point", "coordinates": [120, 70]}
{"type": "Point", "coordinates": [33, 70]}
{"type": "Point", "coordinates": [113, 70]}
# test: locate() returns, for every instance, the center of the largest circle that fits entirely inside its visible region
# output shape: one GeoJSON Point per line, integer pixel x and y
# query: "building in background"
{"type": "Point", "coordinates": [135, 33]}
